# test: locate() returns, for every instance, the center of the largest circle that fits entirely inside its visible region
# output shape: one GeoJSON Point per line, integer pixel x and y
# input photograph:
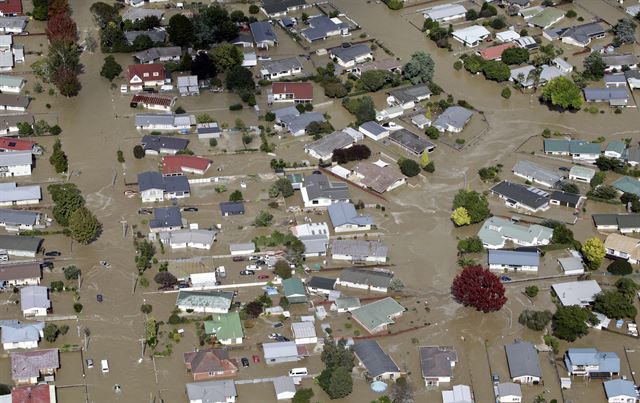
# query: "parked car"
{"type": "Point", "coordinates": [247, 273]}
{"type": "Point", "coordinates": [263, 276]}
{"type": "Point", "coordinates": [147, 211]}
{"type": "Point", "coordinates": [281, 339]}
{"type": "Point", "coordinates": [245, 362]}
{"type": "Point", "coordinates": [505, 278]}
{"type": "Point", "coordinates": [277, 325]}
{"type": "Point", "coordinates": [53, 253]}
{"type": "Point", "coordinates": [256, 359]}
{"type": "Point", "coordinates": [89, 363]}
{"type": "Point", "coordinates": [192, 209]}
{"type": "Point", "coordinates": [238, 258]}
{"type": "Point", "coordinates": [565, 169]}
{"type": "Point", "coordinates": [274, 336]}
{"type": "Point", "coordinates": [48, 265]}
{"type": "Point", "coordinates": [251, 267]}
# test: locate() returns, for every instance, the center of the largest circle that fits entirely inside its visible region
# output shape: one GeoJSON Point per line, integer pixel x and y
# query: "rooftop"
{"type": "Point", "coordinates": [538, 172]}
{"type": "Point", "coordinates": [211, 391]}
{"type": "Point", "coordinates": [410, 140]}
{"type": "Point", "coordinates": [374, 358]}
{"type": "Point", "coordinates": [359, 249]}
{"type": "Point", "coordinates": [436, 361]}
{"type": "Point", "coordinates": [455, 116]}
{"type": "Point", "coordinates": [220, 300]}
{"type": "Point", "coordinates": [343, 213]}
{"type": "Point", "coordinates": [579, 293]}
{"type": "Point", "coordinates": [21, 243]}
{"type": "Point", "coordinates": [496, 230]}
{"type": "Point", "coordinates": [522, 359]}
{"type": "Point", "coordinates": [513, 257]}
{"type": "Point", "coordinates": [528, 196]}
{"type": "Point", "coordinates": [29, 364]}
{"type": "Point", "coordinates": [350, 53]}
{"type": "Point", "coordinates": [282, 65]}
{"type": "Point", "coordinates": [374, 278]}
{"type": "Point", "coordinates": [319, 186]}
{"type": "Point", "coordinates": [378, 313]}
{"type": "Point", "coordinates": [263, 32]}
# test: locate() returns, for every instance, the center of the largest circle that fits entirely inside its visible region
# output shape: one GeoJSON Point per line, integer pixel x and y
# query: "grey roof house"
{"type": "Point", "coordinates": [166, 219]}
{"type": "Point", "coordinates": [437, 363]}
{"type": "Point", "coordinates": [345, 218]}
{"type": "Point", "coordinates": [319, 191]}
{"type": "Point", "coordinates": [263, 34]}
{"type": "Point", "coordinates": [321, 284]}
{"type": "Point", "coordinates": [521, 196]}
{"type": "Point", "coordinates": [212, 391]}
{"type": "Point", "coordinates": [453, 119]}
{"type": "Point", "coordinates": [17, 334]}
{"type": "Point", "coordinates": [280, 68]}
{"type": "Point", "coordinates": [377, 363]}
{"type": "Point", "coordinates": [286, 351]}
{"type": "Point", "coordinates": [18, 219]}
{"type": "Point", "coordinates": [323, 148]}
{"type": "Point", "coordinates": [154, 55]}
{"type": "Point", "coordinates": [352, 55]}
{"type": "Point", "coordinates": [155, 187]}
{"type": "Point", "coordinates": [522, 359]}
{"type": "Point", "coordinates": [204, 301]}
{"type": "Point", "coordinates": [615, 96]}
{"type": "Point", "coordinates": [411, 142]}
{"type": "Point", "coordinates": [34, 300]}
{"type": "Point", "coordinates": [154, 145]}
{"type": "Point", "coordinates": [580, 35]}
{"type": "Point", "coordinates": [536, 173]}
{"type": "Point", "coordinates": [499, 259]}
{"type": "Point", "coordinates": [278, 8]}
{"type": "Point", "coordinates": [366, 279]}
{"type": "Point", "coordinates": [407, 97]}
{"type": "Point", "coordinates": [20, 245]}
{"type": "Point", "coordinates": [359, 251]}
{"type": "Point", "coordinates": [297, 125]}
{"type": "Point", "coordinates": [231, 208]}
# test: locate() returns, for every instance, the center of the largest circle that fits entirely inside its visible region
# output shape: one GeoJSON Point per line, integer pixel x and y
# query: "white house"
{"type": "Point", "coordinates": [513, 260]}
{"type": "Point", "coordinates": [581, 174]}
{"type": "Point", "coordinates": [523, 362]}
{"type": "Point", "coordinates": [437, 363]}
{"type": "Point", "coordinates": [318, 191]}
{"type": "Point", "coordinates": [242, 249]}
{"type": "Point", "coordinates": [623, 247]}
{"type": "Point", "coordinates": [345, 218]}
{"type": "Point", "coordinates": [189, 238]}
{"type": "Point", "coordinates": [354, 250]}
{"type": "Point", "coordinates": [23, 335]}
{"type": "Point", "coordinates": [509, 392]}
{"type": "Point", "coordinates": [621, 391]}
{"type": "Point", "coordinates": [17, 163]}
{"type": "Point", "coordinates": [284, 387]}
{"type": "Point", "coordinates": [373, 130]}
{"type": "Point", "coordinates": [11, 84]}
{"type": "Point", "coordinates": [445, 12]}
{"type": "Point", "coordinates": [348, 57]}
{"type": "Point", "coordinates": [204, 301]}
{"type": "Point", "coordinates": [304, 333]}
{"type": "Point", "coordinates": [365, 279]}
{"type": "Point", "coordinates": [471, 36]}
{"type": "Point", "coordinates": [34, 300]}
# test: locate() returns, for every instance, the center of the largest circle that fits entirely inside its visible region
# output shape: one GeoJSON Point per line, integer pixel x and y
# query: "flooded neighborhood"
{"type": "Point", "coordinates": [344, 200]}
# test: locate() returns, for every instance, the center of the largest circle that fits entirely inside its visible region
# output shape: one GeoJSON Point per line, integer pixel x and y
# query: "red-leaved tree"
{"type": "Point", "coordinates": [477, 287]}
{"type": "Point", "coordinates": [62, 28]}
{"type": "Point", "coordinates": [67, 82]}
{"type": "Point", "coordinates": [57, 7]}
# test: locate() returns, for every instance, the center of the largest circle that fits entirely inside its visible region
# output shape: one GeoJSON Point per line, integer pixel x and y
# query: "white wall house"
{"type": "Point", "coordinates": [17, 163]}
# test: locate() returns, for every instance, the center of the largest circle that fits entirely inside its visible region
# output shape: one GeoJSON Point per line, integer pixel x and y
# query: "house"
{"type": "Point", "coordinates": [632, 156]}
{"type": "Point", "coordinates": [23, 246]}
{"type": "Point", "coordinates": [208, 131]}
{"type": "Point", "coordinates": [378, 365]}
{"type": "Point", "coordinates": [209, 363]}
{"type": "Point", "coordinates": [527, 42]}
{"type": "Point", "coordinates": [453, 119]}
{"type": "Point", "coordinates": [445, 12]}
{"type": "Point", "coordinates": [157, 35]}
{"type": "Point", "coordinates": [153, 102]}
{"type": "Point", "coordinates": [527, 77]}
{"type": "Point", "coordinates": [9, 124]}
{"type": "Point", "coordinates": [280, 8]}
{"type": "Point", "coordinates": [620, 62]}
{"type": "Point", "coordinates": [580, 35]}
{"type": "Point", "coordinates": [633, 10]}
{"type": "Point", "coordinates": [509, 392]}
{"type": "Point", "coordinates": [188, 85]}
{"type": "Point", "coordinates": [285, 351]}
{"type": "Point", "coordinates": [495, 52]}
{"type": "Point", "coordinates": [184, 164]}
{"type": "Point", "coordinates": [240, 249]}
{"type": "Point", "coordinates": [24, 335]}
{"type": "Point", "coordinates": [12, 144]}
{"type": "Point", "coordinates": [34, 300]}
{"type": "Point", "coordinates": [411, 142]}
{"type": "Point", "coordinates": [146, 75]}
{"type": "Point", "coordinates": [263, 34]}
{"type": "Point", "coordinates": [11, 84]}
{"type": "Point", "coordinates": [623, 247]}
{"type": "Point", "coordinates": [155, 145]}
{"type": "Point", "coordinates": [421, 121]}
{"type": "Point", "coordinates": [377, 176]}
{"type": "Point", "coordinates": [212, 392]}
{"type": "Point", "coordinates": [408, 97]}
{"type": "Point", "coordinates": [320, 285]}
{"type": "Point", "coordinates": [507, 36]}
{"type": "Point", "coordinates": [437, 363]}
{"type": "Point", "coordinates": [297, 124]}
{"type": "Point", "coordinates": [314, 236]}
{"type": "Point", "coordinates": [579, 150]}
{"type": "Point", "coordinates": [615, 149]}
{"type": "Point", "coordinates": [346, 304]}
{"type": "Point", "coordinates": [625, 223]}
{"type": "Point", "coordinates": [495, 232]}
{"type": "Point", "coordinates": [591, 363]}
{"type": "Point", "coordinates": [16, 220]}
{"type": "Point", "coordinates": [515, 260]}
{"type": "Point", "coordinates": [274, 69]}
{"type": "Point", "coordinates": [633, 78]}
{"type": "Point", "coordinates": [189, 238]}
{"type": "Point", "coordinates": [304, 332]}
{"type": "Point", "coordinates": [17, 163]}
{"type": "Point", "coordinates": [204, 301]}
{"type": "Point", "coordinates": [13, 195]}
{"type": "Point", "coordinates": [14, 102]}
{"type": "Point", "coordinates": [613, 95]}
{"type": "Point", "coordinates": [536, 173]}
{"type": "Point", "coordinates": [564, 66]}
{"type": "Point", "coordinates": [285, 387]}
{"type": "Point", "coordinates": [153, 187]}
{"type": "Point", "coordinates": [459, 394]}
{"type": "Point", "coordinates": [389, 65]}
{"type": "Point", "coordinates": [581, 293]}
{"type": "Point", "coordinates": [324, 147]}
{"type": "Point", "coordinates": [244, 40]}
{"type": "Point", "coordinates": [10, 8]}
{"type": "Point", "coordinates": [524, 366]}
{"type": "Point", "coordinates": [161, 121]}
{"type": "Point", "coordinates": [471, 36]}
{"type": "Point", "coordinates": [571, 265]}
{"type": "Point", "coordinates": [322, 27]}
{"type": "Point", "coordinates": [565, 199]}
{"type": "Point", "coordinates": [348, 57]}
{"type": "Point", "coordinates": [159, 55]}
{"type": "Point", "coordinates": [318, 191]}
{"type": "Point", "coordinates": [41, 393]}
{"type": "Point", "coordinates": [293, 289]}
{"type": "Point", "coordinates": [204, 279]}
{"type": "Point", "coordinates": [627, 184]}
{"type": "Point", "coordinates": [519, 196]}
{"type": "Point", "coordinates": [344, 218]}
{"type": "Point", "coordinates": [27, 367]}
{"type": "Point", "coordinates": [391, 112]}
{"type": "Point", "coordinates": [19, 274]}
{"type": "Point", "coordinates": [620, 391]}
{"type": "Point", "coordinates": [581, 174]}
{"type": "Point", "coordinates": [365, 279]}
{"type": "Point", "coordinates": [359, 251]}
{"type": "Point", "coordinates": [377, 316]}
{"type": "Point", "coordinates": [138, 14]}
{"type": "Point", "coordinates": [546, 18]}
{"type": "Point", "coordinates": [231, 208]}
{"type": "Point", "coordinates": [615, 80]}
{"type": "Point", "coordinates": [298, 93]}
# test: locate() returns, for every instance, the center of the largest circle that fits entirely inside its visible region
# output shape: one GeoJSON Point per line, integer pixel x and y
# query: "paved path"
{"type": "Point", "coordinates": [261, 380]}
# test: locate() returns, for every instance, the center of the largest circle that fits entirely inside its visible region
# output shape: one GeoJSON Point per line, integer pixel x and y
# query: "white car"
{"type": "Point", "coordinates": [124, 89]}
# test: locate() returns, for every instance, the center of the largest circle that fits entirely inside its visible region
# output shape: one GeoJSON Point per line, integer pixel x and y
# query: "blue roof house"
{"type": "Point", "coordinates": [589, 362]}
{"type": "Point", "coordinates": [528, 261]}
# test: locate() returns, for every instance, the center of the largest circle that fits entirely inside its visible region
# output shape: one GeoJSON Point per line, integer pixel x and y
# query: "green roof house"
{"type": "Point", "coordinates": [546, 18]}
{"type": "Point", "coordinates": [615, 149]}
{"type": "Point", "coordinates": [226, 327]}
{"type": "Point", "coordinates": [376, 316]}
{"type": "Point", "coordinates": [204, 301]}
{"type": "Point", "coordinates": [294, 290]}
{"type": "Point", "coordinates": [627, 184]}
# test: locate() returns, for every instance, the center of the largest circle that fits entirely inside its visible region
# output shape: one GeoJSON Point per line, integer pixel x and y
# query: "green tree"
{"type": "Point", "coordinates": [594, 66]}
{"type": "Point", "coordinates": [236, 196]}
{"type": "Point", "coordinates": [282, 187]}
{"type": "Point", "coordinates": [475, 203]}
{"type": "Point", "coordinates": [142, 42]}
{"type": "Point", "coordinates": [409, 167]}
{"type": "Point", "coordinates": [282, 269]}
{"type": "Point", "coordinates": [472, 244]}
{"type": "Point", "coordinates": [460, 217]}
{"type": "Point", "coordinates": [515, 56]}
{"type": "Point", "coordinates": [535, 320]}
{"type": "Point", "coordinates": [593, 252]}
{"type": "Point", "coordinates": [303, 395]}
{"type": "Point", "coordinates": [240, 78]}
{"type": "Point", "coordinates": [202, 66]}
{"type": "Point", "coordinates": [505, 93]}
{"type": "Point", "coordinates": [496, 70]}
{"type": "Point", "coordinates": [598, 179]}
{"type": "Point", "coordinates": [67, 199]}
{"type": "Point", "coordinates": [51, 332]}
{"type": "Point", "coordinates": [531, 291]}
{"type": "Point", "coordinates": [254, 9]}
{"type": "Point", "coordinates": [263, 219]}
{"type": "Point", "coordinates": [77, 307]}
{"type": "Point", "coordinates": [614, 304]}
{"type": "Point", "coordinates": [340, 383]}
{"type": "Point", "coordinates": [58, 158]}
{"type": "Point", "coordinates": [627, 287]}
{"type": "Point", "coordinates": [138, 152]}
{"type": "Point", "coordinates": [571, 322]}
{"type": "Point", "coordinates": [620, 268]}
{"type": "Point", "coordinates": [71, 272]}
{"type": "Point", "coordinates": [562, 92]}
{"type": "Point", "coordinates": [362, 108]}
{"type": "Point", "coordinates": [227, 56]}
{"type": "Point", "coordinates": [336, 355]}
{"type": "Point", "coordinates": [180, 30]}
{"type": "Point", "coordinates": [40, 10]}
{"type": "Point", "coordinates": [110, 69]}
{"type": "Point", "coordinates": [165, 279]}
{"type": "Point", "coordinates": [419, 69]}
{"type": "Point", "coordinates": [84, 226]}
{"type": "Point", "coordinates": [146, 308]}
{"type": "Point", "coordinates": [373, 80]}
{"type": "Point", "coordinates": [562, 234]}
{"type": "Point", "coordinates": [625, 31]}
{"type": "Point", "coordinates": [473, 63]}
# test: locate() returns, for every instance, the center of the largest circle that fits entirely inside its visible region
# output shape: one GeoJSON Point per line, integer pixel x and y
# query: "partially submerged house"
{"type": "Point", "coordinates": [184, 164]}
{"type": "Point", "coordinates": [355, 250]}
{"type": "Point", "coordinates": [620, 62]}
{"type": "Point", "coordinates": [280, 8]}
{"type": "Point", "coordinates": [453, 119]}
{"type": "Point", "coordinates": [165, 122]}
{"type": "Point", "coordinates": [154, 187]}
{"type": "Point", "coordinates": [304, 332]}
{"type": "Point", "coordinates": [365, 279]}
{"type": "Point", "coordinates": [545, 18]}
{"type": "Point", "coordinates": [231, 208]}
{"type": "Point", "coordinates": [515, 260]}
{"type": "Point", "coordinates": [274, 69]}
{"type": "Point", "coordinates": [437, 363]}
{"type": "Point", "coordinates": [319, 191]}
{"type": "Point", "coordinates": [293, 289]}
{"type": "Point", "coordinates": [495, 232]}
{"type": "Point", "coordinates": [20, 274]}
{"type": "Point", "coordinates": [471, 36]}
{"type": "Point", "coordinates": [285, 351]}
{"type": "Point", "coordinates": [620, 391]}
{"type": "Point", "coordinates": [155, 145]}
{"type": "Point", "coordinates": [28, 367]}
{"type": "Point", "coordinates": [627, 184]}
{"type": "Point", "coordinates": [625, 223]}
{"type": "Point", "coordinates": [23, 335]}
{"type": "Point", "coordinates": [17, 163]}
{"type": "Point", "coordinates": [614, 96]}
{"type": "Point", "coordinates": [445, 12]}
{"type": "Point", "coordinates": [146, 75]}
{"type": "Point", "coordinates": [165, 219]}
{"type": "Point", "coordinates": [19, 220]}
{"type": "Point", "coordinates": [348, 57]}
{"type": "Point", "coordinates": [509, 392]}
{"type": "Point", "coordinates": [377, 176]}
{"type": "Point", "coordinates": [377, 316]}
{"type": "Point", "coordinates": [314, 236]}
{"type": "Point", "coordinates": [377, 363]}
{"type": "Point", "coordinates": [578, 150]}
{"type": "Point", "coordinates": [623, 247]}
{"type": "Point", "coordinates": [581, 174]}
{"type": "Point", "coordinates": [212, 391]}
{"type": "Point", "coordinates": [34, 301]}
{"type": "Point", "coordinates": [581, 293]}
{"type": "Point", "coordinates": [458, 394]}
{"type": "Point", "coordinates": [580, 35]}
{"type": "Point", "coordinates": [322, 27]}
{"type": "Point", "coordinates": [408, 97]}
{"type": "Point", "coordinates": [536, 173]}
{"type": "Point", "coordinates": [299, 93]}
{"type": "Point", "coordinates": [204, 301]}
{"type": "Point", "coordinates": [324, 147]}
{"type": "Point", "coordinates": [209, 363]}
{"type": "Point", "coordinates": [411, 142]}
{"type": "Point", "coordinates": [20, 245]}
{"type": "Point", "coordinates": [345, 218]}
{"type": "Point", "coordinates": [159, 55]}
{"type": "Point", "coordinates": [263, 34]}
{"type": "Point", "coordinates": [591, 363]}
{"type": "Point", "coordinates": [153, 102]}
{"type": "Point", "coordinates": [519, 196]}
{"type": "Point", "coordinates": [13, 195]}
{"type": "Point", "coordinates": [523, 362]}
{"type": "Point", "coordinates": [189, 238]}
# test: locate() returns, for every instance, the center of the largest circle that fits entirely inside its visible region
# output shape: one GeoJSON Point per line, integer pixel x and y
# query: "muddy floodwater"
{"type": "Point", "coordinates": [415, 225]}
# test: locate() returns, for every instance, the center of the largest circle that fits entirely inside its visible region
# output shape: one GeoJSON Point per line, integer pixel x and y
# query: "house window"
{"type": "Point", "coordinates": [145, 74]}
{"type": "Point", "coordinates": [156, 74]}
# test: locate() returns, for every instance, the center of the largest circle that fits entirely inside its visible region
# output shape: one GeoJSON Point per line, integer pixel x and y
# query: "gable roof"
{"type": "Point", "coordinates": [14, 100]}
{"type": "Point", "coordinates": [18, 217]}
{"type": "Point", "coordinates": [15, 331]}
{"type": "Point", "coordinates": [495, 52]}
{"type": "Point", "coordinates": [579, 293]}
{"type": "Point", "coordinates": [11, 7]}
{"type": "Point", "coordinates": [300, 91]}
{"type": "Point", "coordinates": [262, 32]}
{"type": "Point", "coordinates": [581, 33]}
{"type": "Point", "coordinates": [209, 360]}
{"type": "Point", "coordinates": [622, 243]}
{"type": "Point", "coordinates": [495, 230]}
{"type": "Point", "coordinates": [205, 299]}
{"type": "Point", "coordinates": [166, 217]}
{"type": "Point", "coordinates": [436, 361]}
{"type": "Point", "coordinates": [280, 6]}
{"type": "Point", "coordinates": [374, 278]}
{"type": "Point", "coordinates": [322, 283]}
{"type": "Point", "coordinates": [157, 53]}
{"type": "Point", "coordinates": [152, 100]}
{"type": "Point", "coordinates": [157, 143]}
{"type": "Point", "coordinates": [211, 391]}
{"type": "Point", "coordinates": [377, 313]}
{"type": "Point", "coordinates": [139, 70]}
{"type": "Point", "coordinates": [359, 249]}
{"type": "Point", "coordinates": [41, 393]}
{"type": "Point", "coordinates": [604, 361]}
{"type": "Point", "coordinates": [34, 296]}
{"type": "Point", "coordinates": [455, 116]}
{"type": "Point", "coordinates": [350, 53]}
{"type": "Point", "coordinates": [28, 364]}
{"type": "Point", "coordinates": [19, 242]}
{"type": "Point", "coordinates": [232, 207]}
{"type": "Point", "coordinates": [509, 389]}
{"type": "Point", "coordinates": [374, 358]}
{"type": "Point", "coordinates": [471, 34]}
{"type": "Point", "coordinates": [319, 186]}
{"type": "Point", "coordinates": [529, 196]}
{"type": "Point", "coordinates": [627, 184]}
{"type": "Point", "coordinates": [172, 164]}
{"type": "Point", "coordinates": [224, 326]}
{"type": "Point", "coordinates": [20, 271]}
{"type": "Point", "coordinates": [620, 387]}
{"type": "Point", "coordinates": [513, 257]}
{"type": "Point", "coordinates": [605, 94]}
{"type": "Point", "coordinates": [522, 359]}
{"type": "Point", "coordinates": [537, 172]}
{"type": "Point", "coordinates": [547, 17]}
{"type": "Point", "coordinates": [280, 350]}
{"type": "Point", "coordinates": [16, 158]}
{"type": "Point", "coordinates": [11, 192]}
{"type": "Point", "coordinates": [293, 287]}
{"type": "Point", "coordinates": [410, 140]}
{"type": "Point", "coordinates": [302, 330]}
{"type": "Point", "coordinates": [344, 213]}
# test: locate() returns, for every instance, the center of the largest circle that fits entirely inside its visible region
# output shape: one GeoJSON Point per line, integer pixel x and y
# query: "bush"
{"type": "Point", "coordinates": [174, 319]}
{"type": "Point", "coordinates": [620, 268]}
{"type": "Point", "coordinates": [472, 244]}
{"type": "Point", "coordinates": [77, 307]}
{"type": "Point", "coordinates": [506, 93]}
{"type": "Point", "coordinates": [120, 156]}
{"type": "Point", "coordinates": [457, 65]}
{"type": "Point", "coordinates": [571, 14]}
{"type": "Point", "coordinates": [254, 9]}
{"type": "Point", "coordinates": [146, 308]}
{"type": "Point", "coordinates": [71, 272]}
{"type": "Point", "coordinates": [409, 167]}
{"type": "Point", "coordinates": [213, 142]}
{"type": "Point", "coordinates": [270, 116]}
{"type": "Point", "coordinates": [531, 291]}
{"type": "Point", "coordinates": [138, 152]}
{"type": "Point", "coordinates": [394, 4]}
{"type": "Point", "coordinates": [235, 107]}
{"type": "Point", "coordinates": [535, 320]}
{"type": "Point", "coordinates": [432, 133]}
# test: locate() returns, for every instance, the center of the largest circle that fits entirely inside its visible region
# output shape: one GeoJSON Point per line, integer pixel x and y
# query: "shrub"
{"type": "Point", "coordinates": [432, 133]}
{"type": "Point", "coordinates": [535, 320]}
{"type": "Point", "coordinates": [457, 65]}
{"type": "Point", "coordinates": [77, 307]}
{"type": "Point", "coordinates": [620, 267]}
{"type": "Point", "coordinates": [506, 93]}
{"type": "Point", "coordinates": [213, 142]}
{"type": "Point", "coordinates": [138, 152]}
{"type": "Point", "coordinates": [531, 291]}
{"type": "Point", "coordinates": [235, 107]}
{"type": "Point", "coordinates": [409, 167]}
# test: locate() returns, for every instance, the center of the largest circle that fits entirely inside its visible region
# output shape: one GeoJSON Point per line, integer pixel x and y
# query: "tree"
{"type": "Point", "coordinates": [303, 395]}
{"type": "Point", "coordinates": [362, 108]}
{"type": "Point", "coordinates": [505, 93]}
{"type": "Point", "coordinates": [515, 56]}
{"type": "Point", "coordinates": [408, 167]}
{"type": "Point", "coordinates": [284, 302]}
{"type": "Point", "coordinates": [165, 279]}
{"type": "Point", "coordinates": [496, 70]}
{"type": "Point", "coordinates": [227, 56]}
{"type": "Point", "coordinates": [57, 7]}
{"type": "Point", "coordinates": [562, 92]}
{"type": "Point", "coordinates": [419, 69]}
{"type": "Point", "coordinates": [472, 244]}
{"type": "Point", "coordinates": [460, 217]}
{"type": "Point", "coordinates": [51, 332]}
{"type": "Point", "coordinates": [401, 391]}
{"type": "Point", "coordinates": [396, 284]}
{"type": "Point", "coordinates": [475, 203]}
{"type": "Point", "coordinates": [263, 219]}
{"type": "Point", "coordinates": [598, 179]}
{"type": "Point", "coordinates": [202, 66]}
{"type": "Point", "coordinates": [535, 320]}
{"type": "Point", "coordinates": [335, 90]}
{"type": "Point", "coordinates": [531, 291]}
{"type": "Point", "coordinates": [71, 272]}
{"type": "Point", "coordinates": [340, 383]}
{"type": "Point", "coordinates": [477, 287]}
{"type": "Point", "coordinates": [620, 268]}
{"type": "Point", "coordinates": [253, 309]}
{"type": "Point", "coordinates": [67, 199]}
{"type": "Point", "coordinates": [570, 322]}
{"type": "Point", "coordinates": [471, 15]}
{"type": "Point", "coordinates": [61, 28]}
{"type": "Point", "coordinates": [254, 9]}
{"type": "Point", "coordinates": [562, 234]}
{"type": "Point", "coordinates": [84, 226]}
{"type": "Point", "coordinates": [142, 42]}
{"type": "Point", "coordinates": [146, 308]}
{"type": "Point", "coordinates": [627, 287]}
{"type": "Point", "coordinates": [594, 66]}
{"type": "Point", "coordinates": [138, 152]}
{"type": "Point", "coordinates": [569, 187]}
{"type": "Point", "coordinates": [180, 30]}
{"type": "Point", "coordinates": [373, 80]}
{"type": "Point", "coordinates": [110, 69]}
{"type": "Point", "coordinates": [240, 79]}
{"type": "Point", "coordinates": [356, 152]}
{"type": "Point", "coordinates": [40, 10]}
{"type": "Point", "coordinates": [66, 81]}
{"type": "Point", "coordinates": [625, 31]}
{"type": "Point", "coordinates": [614, 304]}
{"type": "Point", "coordinates": [473, 63]}
{"type": "Point", "coordinates": [282, 187]}
{"type": "Point", "coordinates": [282, 269]}
{"type": "Point", "coordinates": [58, 158]}
{"type": "Point", "coordinates": [102, 12]}
{"type": "Point", "coordinates": [593, 252]}
{"type": "Point", "coordinates": [77, 307]}
{"type": "Point", "coordinates": [236, 196]}
{"type": "Point", "coordinates": [336, 355]}
{"type": "Point", "coordinates": [487, 10]}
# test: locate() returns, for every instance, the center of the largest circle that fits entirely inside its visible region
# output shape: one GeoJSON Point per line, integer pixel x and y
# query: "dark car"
{"type": "Point", "coordinates": [277, 325]}
{"type": "Point", "coordinates": [505, 278]}
{"type": "Point", "coordinates": [281, 338]}
{"type": "Point", "coordinates": [149, 90]}
{"type": "Point", "coordinates": [247, 273]}
{"type": "Point", "coordinates": [565, 169]}
{"type": "Point", "coordinates": [48, 265]}
{"type": "Point", "coordinates": [189, 209]}
{"type": "Point", "coordinates": [53, 253]}
{"type": "Point", "coordinates": [245, 362]}
{"type": "Point", "coordinates": [238, 259]}
{"type": "Point", "coordinates": [145, 211]}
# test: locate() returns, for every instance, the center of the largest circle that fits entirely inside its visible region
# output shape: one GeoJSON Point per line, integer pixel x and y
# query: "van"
{"type": "Point", "coordinates": [298, 371]}
{"type": "Point", "coordinates": [105, 366]}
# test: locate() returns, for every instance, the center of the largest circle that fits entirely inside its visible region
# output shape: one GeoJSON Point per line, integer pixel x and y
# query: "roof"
{"type": "Point", "coordinates": [41, 393]}
{"type": "Point", "coordinates": [322, 283]}
{"type": "Point", "coordinates": [11, 7]}
{"type": "Point", "coordinates": [325, 146]}
{"type": "Point", "coordinates": [615, 78]}
{"type": "Point", "coordinates": [139, 70]}
{"type": "Point", "coordinates": [376, 177]}
{"type": "Point", "coordinates": [571, 146]}
{"type": "Point", "coordinates": [14, 144]}
{"type": "Point", "coordinates": [280, 350]}
{"type": "Point", "coordinates": [627, 184]}
{"type": "Point", "coordinates": [620, 387]}
{"type": "Point", "coordinates": [495, 230]}
{"type": "Point", "coordinates": [605, 94]}
{"type": "Point", "coordinates": [136, 13]}
{"type": "Point", "coordinates": [321, 26]}
{"type": "Point", "coordinates": [620, 60]}
{"type": "Point", "coordinates": [300, 91]}
{"type": "Point", "coordinates": [374, 358]}
{"type": "Point", "coordinates": [537, 172]}
{"type": "Point", "coordinates": [153, 100]}
{"type": "Point", "coordinates": [319, 186]}
{"type": "Point", "coordinates": [411, 93]}
{"type": "Point", "coordinates": [166, 217]}
{"type": "Point", "coordinates": [581, 34]}
{"type": "Point", "coordinates": [373, 278]}
{"type": "Point", "coordinates": [22, 217]}
{"type": "Point", "coordinates": [622, 243]}
{"type": "Point", "coordinates": [509, 389]}
{"type": "Point", "coordinates": [455, 116]}
{"type": "Point", "coordinates": [232, 207]}
{"type": "Point", "coordinates": [616, 146]}
{"type": "Point", "coordinates": [373, 128]}
{"type": "Point", "coordinates": [348, 302]}
{"type": "Point", "coordinates": [582, 172]}
{"type": "Point", "coordinates": [571, 263]}
{"type": "Point", "coordinates": [514, 258]}
{"type": "Point", "coordinates": [529, 196]}
{"type": "Point", "coordinates": [410, 141]}
{"type": "Point", "coordinates": [19, 242]}
{"type": "Point", "coordinates": [284, 384]}
{"type": "Point", "coordinates": [359, 249]}
{"type": "Point", "coordinates": [11, 81]}
{"type": "Point", "coordinates": [522, 359]}
{"type": "Point", "coordinates": [28, 364]}
{"type": "Point", "coordinates": [11, 192]}
{"type": "Point", "coordinates": [16, 158]}
{"type": "Point", "coordinates": [303, 330]}
{"type": "Point", "coordinates": [459, 394]}
{"type": "Point", "coordinates": [280, 6]}
{"type": "Point", "coordinates": [220, 300]}
{"type": "Point", "coordinates": [344, 213]}
{"type": "Point", "coordinates": [263, 32]}
{"type": "Point", "coordinates": [378, 313]}
{"type": "Point", "coordinates": [211, 391]}
{"type": "Point", "coordinates": [604, 361]}
{"type": "Point", "coordinates": [242, 246]}
{"type": "Point", "coordinates": [444, 11]}
{"type": "Point", "coordinates": [11, 120]}
{"type": "Point", "coordinates": [281, 65]}
{"type": "Point", "coordinates": [565, 197]}
{"type": "Point", "coordinates": [436, 361]}
{"type": "Point", "coordinates": [384, 64]}
{"type": "Point", "coordinates": [155, 180]}
{"type": "Point", "coordinates": [157, 53]}
{"type": "Point", "coordinates": [157, 143]}
{"type": "Point", "coordinates": [577, 292]}
{"type": "Point", "coordinates": [471, 34]}
{"type": "Point", "coordinates": [495, 52]}
{"type": "Point", "coordinates": [508, 35]}
{"type": "Point", "coordinates": [19, 271]}
{"type": "Point", "coordinates": [145, 119]}
{"type": "Point", "coordinates": [15, 331]}
{"type": "Point", "coordinates": [14, 100]}
{"type": "Point", "coordinates": [546, 17]}
{"type": "Point", "coordinates": [156, 35]}
{"type": "Point", "coordinates": [293, 287]}
{"type": "Point", "coordinates": [224, 326]}
{"type": "Point", "coordinates": [209, 360]}
{"type": "Point", "coordinates": [172, 164]}
{"type": "Point", "coordinates": [350, 53]}
{"type": "Point", "coordinates": [622, 221]}
{"type": "Point", "coordinates": [300, 122]}
{"type": "Point", "coordinates": [34, 296]}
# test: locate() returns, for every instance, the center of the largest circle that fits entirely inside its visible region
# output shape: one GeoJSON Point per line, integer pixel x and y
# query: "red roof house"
{"type": "Point", "coordinates": [181, 164]}
{"type": "Point", "coordinates": [10, 7]}
{"type": "Point", "coordinates": [34, 394]}
{"type": "Point", "coordinates": [146, 75]}
{"type": "Point", "coordinates": [209, 363]}
{"type": "Point", "coordinates": [13, 144]}
{"type": "Point", "coordinates": [495, 52]}
{"type": "Point", "coordinates": [292, 92]}
{"type": "Point", "coordinates": [155, 102]}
